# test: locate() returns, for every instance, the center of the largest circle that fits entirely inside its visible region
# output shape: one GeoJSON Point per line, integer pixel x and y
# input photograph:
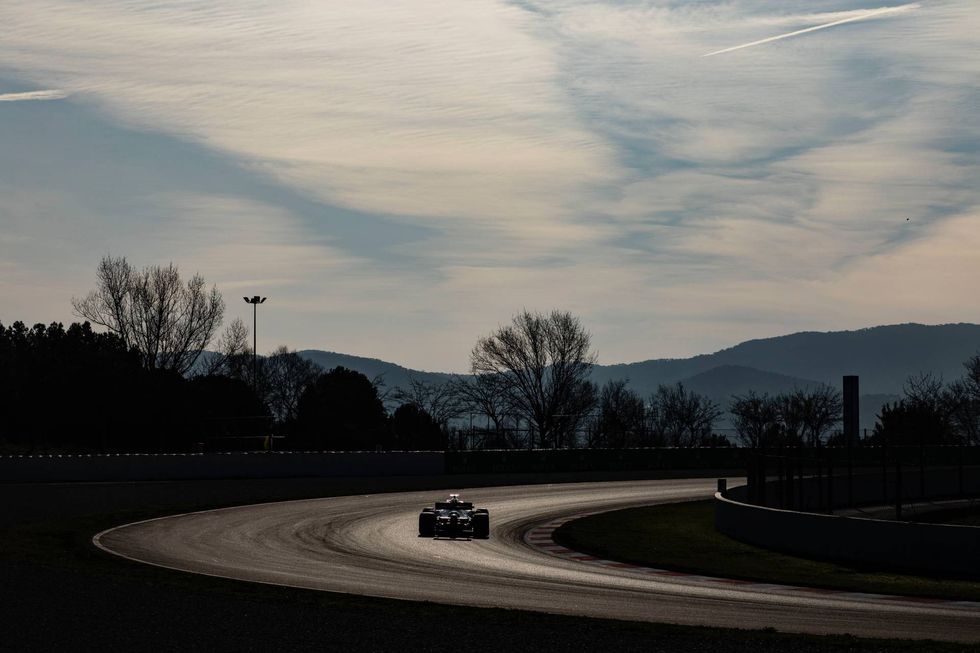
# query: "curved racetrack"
{"type": "Point", "coordinates": [368, 545]}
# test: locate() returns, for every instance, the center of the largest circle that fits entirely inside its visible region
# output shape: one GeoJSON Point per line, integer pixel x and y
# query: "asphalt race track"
{"type": "Point", "coordinates": [369, 545]}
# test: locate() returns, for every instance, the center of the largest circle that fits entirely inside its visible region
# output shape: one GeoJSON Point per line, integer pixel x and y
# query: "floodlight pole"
{"type": "Point", "coordinates": [255, 301]}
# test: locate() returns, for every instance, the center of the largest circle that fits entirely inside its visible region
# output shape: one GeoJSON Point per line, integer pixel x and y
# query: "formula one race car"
{"type": "Point", "coordinates": [454, 518]}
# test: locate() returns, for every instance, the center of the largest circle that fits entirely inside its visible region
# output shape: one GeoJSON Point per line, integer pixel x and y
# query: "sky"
{"type": "Point", "coordinates": [401, 177]}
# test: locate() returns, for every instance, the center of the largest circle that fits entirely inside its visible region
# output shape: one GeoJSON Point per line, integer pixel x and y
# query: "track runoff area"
{"type": "Point", "coordinates": [369, 545]}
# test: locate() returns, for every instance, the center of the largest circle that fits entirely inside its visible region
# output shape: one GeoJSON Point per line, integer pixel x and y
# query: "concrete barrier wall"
{"type": "Point", "coordinates": [152, 467]}
{"type": "Point", "coordinates": [895, 545]}
{"type": "Point", "coordinates": [590, 460]}
{"type": "Point", "coordinates": [892, 544]}
{"type": "Point", "coordinates": [131, 467]}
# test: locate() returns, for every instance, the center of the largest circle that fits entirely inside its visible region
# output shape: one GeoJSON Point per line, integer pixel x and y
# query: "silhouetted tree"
{"type": "Point", "coordinates": [808, 414]}
{"type": "Point", "coordinates": [964, 409]}
{"type": "Point", "coordinates": [926, 414]}
{"type": "Point", "coordinates": [220, 406]}
{"type": "Point", "coordinates": [790, 419]}
{"type": "Point", "coordinates": [621, 420]}
{"type": "Point", "coordinates": [909, 423]}
{"type": "Point", "coordinates": [544, 362]}
{"type": "Point", "coordinates": [413, 429]}
{"type": "Point", "coordinates": [341, 410]}
{"type": "Point", "coordinates": [925, 389]}
{"type": "Point", "coordinates": [681, 418]}
{"type": "Point", "coordinates": [579, 409]}
{"type": "Point", "coordinates": [284, 377]}
{"type": "Point", "coordinates": [78, 390]}
{"type": "Point", "coordinates": [159, 418]}
{"type": "Point", "coordinates": [63, 388]}
{"type": "Point", "coordinates": [232, 355]}
{"type": "Point", "coordinates": [755, 419]}
{"type": "Point", "coordinates": [488, 395]}
{"type": "Point", "coordinates": [441, 401]}
{"type": "Point", "coordinates": [153, 311]}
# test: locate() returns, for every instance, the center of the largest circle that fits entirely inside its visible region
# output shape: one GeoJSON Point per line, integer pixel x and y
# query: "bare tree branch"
{"type": "Point", "coordinates": [154, 312]}
{"type": "Point", "coordinates": [486, 394]}
{"type": "Point", "coordinates": [544, 361]}
{"type": "Point", "coordinates": [756, 420]}
{"type": "Point", "coordinates": [440, 400]}
{"type": "Point", "coordinates": [285, 376]}
{"type": "Point", "coordinates": [681, 418]}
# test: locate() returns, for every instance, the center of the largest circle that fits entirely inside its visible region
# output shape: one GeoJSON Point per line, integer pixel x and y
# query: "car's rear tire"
{"type": "Point", "coordinates": [481, 525]}
{"type": "Point", "coordinates": [427, 524]}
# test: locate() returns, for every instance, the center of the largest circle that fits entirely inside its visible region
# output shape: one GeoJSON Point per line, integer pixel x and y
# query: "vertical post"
{"type": "Point", "coordinates": [820, 503]}
{"type": "Point", "coordinates": [255, 300]}
{"type": "Point", "coordinates": [255, 347]}
{"type": "Point", "coordinates": [884, 468]}
{"type": "Point", "coordinates": [830, 480]}
{"type": "Point", "coordinates": [960, 465]}
{"type": "Point", "coordinates": [788, 482]}
{"type": "Point", "coordinates": [851, 422]}
{"type": "Point", "coordinates": [799, 484]}
{"type": "Point", "coordinates": [761, 493]}
{"type": "Point", "coordinates": [780, 497]}
{"type": "Point", "coordinates": [852, 409]}
{"type": "Point", "coordinates": [898, 486]}
{"type": "Point", "coordinates": [922, 467]}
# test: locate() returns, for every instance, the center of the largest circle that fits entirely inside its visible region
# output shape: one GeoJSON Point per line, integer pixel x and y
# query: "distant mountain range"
{"type": "Point", "coordinates": [393, 375]}
{"type": "Point", "coordinates": [883, 357]}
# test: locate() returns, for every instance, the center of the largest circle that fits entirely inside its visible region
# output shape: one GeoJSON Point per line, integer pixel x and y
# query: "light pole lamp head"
{"type": "Point", "coordinates": [255, 300]}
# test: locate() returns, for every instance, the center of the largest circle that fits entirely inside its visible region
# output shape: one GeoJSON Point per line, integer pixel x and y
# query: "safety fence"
{"type": "Point", "coordinates": [823, 479]}
{"type": "Point", "coordinates": [853, 506]}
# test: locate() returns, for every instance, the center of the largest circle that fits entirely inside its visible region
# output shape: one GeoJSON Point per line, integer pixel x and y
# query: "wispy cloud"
{"type": "Point", "coordinates": [864, 15]}
{"type": "Point", "coordinates": [576, 153]}
{"type": "Point", "coordinates": [442, 112]}
{"type": "Point", "coordinates": [52, 94]}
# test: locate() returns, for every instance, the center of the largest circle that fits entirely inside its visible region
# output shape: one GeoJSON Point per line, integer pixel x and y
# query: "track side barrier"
{"type": "Point", "coordinates": [594, 460]}
{"type": "Point", "coordinates": [283, 464]}
{"type": "Point", "coordinates": [155, 467]}
{"type": "Point", "coordinates": [899, 545]}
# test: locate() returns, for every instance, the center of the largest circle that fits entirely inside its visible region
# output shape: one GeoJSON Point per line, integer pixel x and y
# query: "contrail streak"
{"type": "Point", "coordinates": [53, 94]}
{"type": "Point", "coordinates": [870, 14]}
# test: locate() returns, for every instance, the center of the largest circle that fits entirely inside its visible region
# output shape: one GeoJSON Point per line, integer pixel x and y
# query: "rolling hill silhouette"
{"type": "Point", "coordinates": [883, 356]}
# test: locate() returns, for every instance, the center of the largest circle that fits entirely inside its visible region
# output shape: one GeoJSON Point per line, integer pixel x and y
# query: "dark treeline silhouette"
{"type": "Point", "coordinates": [933, 412]}
{"type": "Point", "coordinates": [78, 390]}
{"type": "Point", "coordinates": [530, 388]}
{"type": "Point", "coordinates": [149, 383]}
{"type": "Point", "coordinates": [803, 417]}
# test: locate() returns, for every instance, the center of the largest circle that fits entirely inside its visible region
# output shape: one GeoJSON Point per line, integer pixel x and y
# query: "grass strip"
{"type": "Point", "coordinates": [682, 537]}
